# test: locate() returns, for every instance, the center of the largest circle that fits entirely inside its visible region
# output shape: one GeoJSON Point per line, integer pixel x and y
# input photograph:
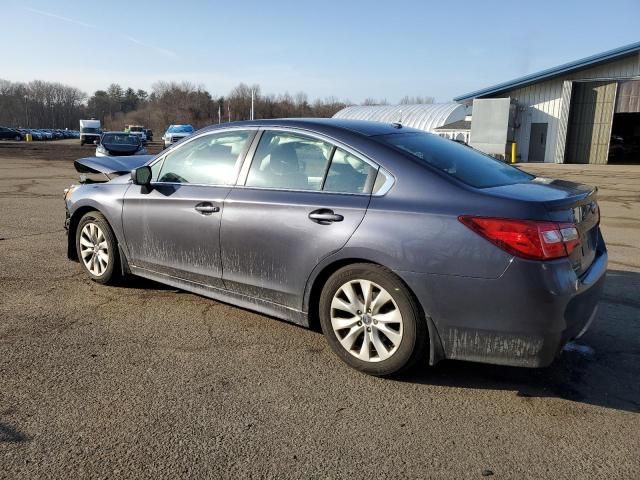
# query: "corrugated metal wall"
{"type": "Point", "coordinates": [590, 121]}
{"type": "Point", "coordinates": [543, 102]}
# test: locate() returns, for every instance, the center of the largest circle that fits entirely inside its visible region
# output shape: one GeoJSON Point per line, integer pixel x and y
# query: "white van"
{"type": "Point", "coordinates": [89, 131]}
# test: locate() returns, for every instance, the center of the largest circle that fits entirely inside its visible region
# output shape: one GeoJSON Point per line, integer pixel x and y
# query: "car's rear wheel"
{"type": "Point", "coordinates": [97, 248]}
{"type": "Point", "coordinates": [371, 320]}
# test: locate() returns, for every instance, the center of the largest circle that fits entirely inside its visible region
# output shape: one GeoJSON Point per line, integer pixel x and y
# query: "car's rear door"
{"type": "Point", "coordinates": [173, 227]}
{"type": "Point", "coordinates": [299, 200]}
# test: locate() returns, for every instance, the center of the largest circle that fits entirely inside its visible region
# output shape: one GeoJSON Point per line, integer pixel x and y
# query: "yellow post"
{"type": "Point", "coordinates": [513, 152]}
{"type": "Point", "coordinates": [28, 137]}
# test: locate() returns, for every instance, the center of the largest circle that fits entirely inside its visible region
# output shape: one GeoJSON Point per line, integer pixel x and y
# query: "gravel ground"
{"type": "Point", "coordinates": [149, 382]}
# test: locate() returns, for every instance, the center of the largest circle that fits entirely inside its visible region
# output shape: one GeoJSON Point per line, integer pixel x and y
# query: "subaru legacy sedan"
{"type": "Point", "coordinates": [402, 246]}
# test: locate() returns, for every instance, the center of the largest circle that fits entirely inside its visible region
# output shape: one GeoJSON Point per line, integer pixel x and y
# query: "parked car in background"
{"type": "Point", "coordinates": [36, 134]}
{"type": "Point", "coordinates": [406, 246]}
{"type": "Point", "coordinates": [10, 134]}
{"type": "Point", "coordinates": [138, 130]}
{"type": "Point", "coordinates": [149, 134]}
{"type": "Point", "coordinates": [175, 133]}
{"type": "Point", "coordinates": [46, 133]}
{"type": "Point", "coordinates": [115, 144]}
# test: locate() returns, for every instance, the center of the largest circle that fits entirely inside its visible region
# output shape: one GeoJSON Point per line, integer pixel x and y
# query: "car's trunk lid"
{"type": "Point", "coordinates": [565, 202]}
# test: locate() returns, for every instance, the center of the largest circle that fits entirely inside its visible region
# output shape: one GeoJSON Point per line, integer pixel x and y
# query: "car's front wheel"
{"type": "Point", "coordinates": [97, 248]}
{"type": "Point", "coordinates": [371, 320]}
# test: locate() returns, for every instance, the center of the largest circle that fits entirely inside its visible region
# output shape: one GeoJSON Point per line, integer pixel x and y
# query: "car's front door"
{"type": "Point", "coordinates": [173, 227]}
{"type": "Point", "coordinates": [301, 201]}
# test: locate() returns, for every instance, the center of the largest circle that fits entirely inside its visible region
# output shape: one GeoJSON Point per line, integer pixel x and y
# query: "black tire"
{"type": "Point", "coordinates": [111, 273]}
{"type": "Point", "coordinates": [413, 346]}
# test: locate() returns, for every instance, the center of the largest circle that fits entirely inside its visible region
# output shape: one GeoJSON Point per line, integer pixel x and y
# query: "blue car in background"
{"type": "Point", "coordinates": [175, 133]}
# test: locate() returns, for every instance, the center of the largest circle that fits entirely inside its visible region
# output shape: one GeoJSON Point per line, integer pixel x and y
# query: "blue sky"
{"type": "Point", "coordinates": [347, 49]}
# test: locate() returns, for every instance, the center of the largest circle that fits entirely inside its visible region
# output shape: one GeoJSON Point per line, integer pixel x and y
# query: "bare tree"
{"type": "Point", "coordinates": [407, 100]}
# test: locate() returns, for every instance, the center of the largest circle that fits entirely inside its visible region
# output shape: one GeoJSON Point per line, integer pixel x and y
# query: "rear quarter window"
{"type": "Point", "coordinates": [459, 161]}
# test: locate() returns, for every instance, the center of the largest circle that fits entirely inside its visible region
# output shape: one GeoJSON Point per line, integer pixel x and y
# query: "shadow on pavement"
{"type": "Point", "coordinates": [9, 434]}
{"type": "Point", "coordinates": [603, 370]}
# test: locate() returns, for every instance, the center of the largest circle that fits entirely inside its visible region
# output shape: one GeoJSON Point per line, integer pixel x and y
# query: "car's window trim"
{"type": "Point", "coordinates": [239, 161]}
{"type": "Point", "coordinates": [248, 160]}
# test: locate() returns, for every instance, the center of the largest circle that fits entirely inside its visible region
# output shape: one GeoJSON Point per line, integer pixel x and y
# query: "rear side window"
{"type": "Point", "coordinates": [459, 161]}
{"type": "Point", "coordinates": [349, 174]}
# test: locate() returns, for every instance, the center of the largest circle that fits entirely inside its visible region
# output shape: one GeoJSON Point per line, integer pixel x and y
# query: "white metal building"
{"type": "Point", "coordinates": [577, 112]}
{"type": "Point", "coordinates": [425, 117]}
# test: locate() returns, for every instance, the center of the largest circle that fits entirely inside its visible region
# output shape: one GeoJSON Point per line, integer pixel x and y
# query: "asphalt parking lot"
{"type": "Point", "coordinates": [147, 381]}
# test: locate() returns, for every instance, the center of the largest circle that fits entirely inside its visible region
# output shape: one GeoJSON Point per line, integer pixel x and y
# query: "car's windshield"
{"type": "Point", "coordinates": [89, 130]}
{"type": "Point", "coordinates": [120, 139]}
{"type": "Point", "coordinates": [136, 129]}
{"type": "Point", "coordinates": [180, 129]}
{"type": "Point", "coordinates": [459, 161]}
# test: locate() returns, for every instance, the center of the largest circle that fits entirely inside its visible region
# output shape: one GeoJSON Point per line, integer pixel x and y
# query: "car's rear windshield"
{"type": "Point", "coordinates": [120, 139]}
{"type": "Point", "coordinates": [461, 162]}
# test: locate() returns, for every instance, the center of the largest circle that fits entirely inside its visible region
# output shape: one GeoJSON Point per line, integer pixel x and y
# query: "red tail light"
{"type": "Point", "coordinates": [526, 238]}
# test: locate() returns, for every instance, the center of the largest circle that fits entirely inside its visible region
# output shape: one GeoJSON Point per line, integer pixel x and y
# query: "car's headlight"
{"type": "Point", "coordinates": [68, 191]}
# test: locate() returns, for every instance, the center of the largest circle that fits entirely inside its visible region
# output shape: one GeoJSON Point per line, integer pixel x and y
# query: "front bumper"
{"type": "Point", "coordinates": [171, 140]}
{"type": "Point", "coordinates": [523, 318]}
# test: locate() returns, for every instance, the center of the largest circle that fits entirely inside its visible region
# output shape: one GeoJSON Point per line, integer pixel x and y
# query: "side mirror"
{"type": "Point", "coordinates": [141, 176]}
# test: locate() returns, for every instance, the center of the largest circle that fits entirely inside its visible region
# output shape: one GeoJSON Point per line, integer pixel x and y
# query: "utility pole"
{"type": "Point", "coordinates": [229, 111]}
{"type": "Point", "coordinates": [253, 94]}
{"type": "Point", "coordinates": [219, 114]}
{"type": "Point", "coordinates": [26, 111]}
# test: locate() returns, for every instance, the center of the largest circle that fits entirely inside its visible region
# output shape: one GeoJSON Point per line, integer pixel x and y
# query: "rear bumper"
{"type": "Point", "coordinates": [523, 318]}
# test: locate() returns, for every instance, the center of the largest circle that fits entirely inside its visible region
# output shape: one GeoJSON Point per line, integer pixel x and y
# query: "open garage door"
{"type": "Point", "coordinates": [625, 133]}
{"type": "Point", "coordinates": [590, 119]}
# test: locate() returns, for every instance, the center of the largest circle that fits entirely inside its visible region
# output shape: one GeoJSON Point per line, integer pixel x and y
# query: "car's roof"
{"type": "Point", "coordinates": [362, 127]}
{"type": "Point", "coordinates": [119, 132]}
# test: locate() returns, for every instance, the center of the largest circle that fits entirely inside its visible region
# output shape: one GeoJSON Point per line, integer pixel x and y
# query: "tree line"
{"type": "Point", "coordinates": [40, 104]}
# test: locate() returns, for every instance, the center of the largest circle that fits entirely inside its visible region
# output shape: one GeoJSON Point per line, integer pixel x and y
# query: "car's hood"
{"type": "Point", "coordinates": [110, 166]}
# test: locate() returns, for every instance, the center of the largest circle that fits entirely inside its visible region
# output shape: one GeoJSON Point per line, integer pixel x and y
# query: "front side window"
{"type": "Point", "coordinates": [289, 161]}
{"type": "Point", "coordinates": [209, 159]}
{"type": "Point", "coordinates": [349, 174]}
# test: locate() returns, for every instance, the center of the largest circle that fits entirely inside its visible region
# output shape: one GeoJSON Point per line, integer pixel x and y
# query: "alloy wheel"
{"type": "Point", "coordinates": [94, 249]}
{"type": "Point", "coordinates": [366, 320]}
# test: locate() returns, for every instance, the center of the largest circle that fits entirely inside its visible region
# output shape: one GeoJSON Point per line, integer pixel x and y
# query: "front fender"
{"type": "Point", "coordinates": [106, 198]}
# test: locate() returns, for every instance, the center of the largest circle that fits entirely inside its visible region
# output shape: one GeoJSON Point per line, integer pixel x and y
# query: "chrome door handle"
{"type": "Point", "coordinates": [207, 208]}
{"type": "Point", "coordinates": [325, 216]}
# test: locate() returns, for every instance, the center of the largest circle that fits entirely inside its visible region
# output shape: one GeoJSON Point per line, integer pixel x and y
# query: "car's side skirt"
{"type": "Point", "coordinates": [250, 303]}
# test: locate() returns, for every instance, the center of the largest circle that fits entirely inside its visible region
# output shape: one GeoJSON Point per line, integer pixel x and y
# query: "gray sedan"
{"type": "Point", "coordinates": [402, 246]}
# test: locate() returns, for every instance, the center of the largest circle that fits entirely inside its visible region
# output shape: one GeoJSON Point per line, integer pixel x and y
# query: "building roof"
{"type": "Point", "coordinates": [425, 117]}
{"type": "Point", "coordinates": [554, 72]}
{"type": "Point", "coordinates": [459, 125]}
